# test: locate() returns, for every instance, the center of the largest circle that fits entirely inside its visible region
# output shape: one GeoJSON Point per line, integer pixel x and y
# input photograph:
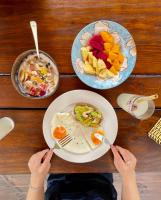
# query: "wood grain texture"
{"type": "Point", "coordinates": [135, 85]}
{"type": "Point", "coordinates": [60, 21]}
{"type": "Point", "coordinates": [58, 24]}
{"type": "Point", "coordinates": [27, 139]}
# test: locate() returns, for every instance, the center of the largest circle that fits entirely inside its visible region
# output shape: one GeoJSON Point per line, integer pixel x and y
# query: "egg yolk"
{"type": "Point", "coordinates": [94, 139]}
{"type": "Point", "coordinates": [59, 132]}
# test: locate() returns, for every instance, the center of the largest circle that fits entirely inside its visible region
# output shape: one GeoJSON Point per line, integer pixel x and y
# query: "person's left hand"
{"type": "Point", "coordinates": [39, 165]}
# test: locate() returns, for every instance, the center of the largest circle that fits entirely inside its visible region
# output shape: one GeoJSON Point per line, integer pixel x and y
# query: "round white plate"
{"type": "Point", "coordinates": [109, 123]}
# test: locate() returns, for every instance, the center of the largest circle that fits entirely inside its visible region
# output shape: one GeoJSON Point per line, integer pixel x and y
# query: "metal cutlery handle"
{"type": "Point", "coordinates": [106, 141]}
{"type": "Point", "coordinates": [33, 25]}
{"type": "Point", "coordinates": [56, 146]}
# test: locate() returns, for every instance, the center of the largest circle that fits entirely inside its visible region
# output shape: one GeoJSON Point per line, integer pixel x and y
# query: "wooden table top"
{"type": "Point", "coordinates": [58, 24]}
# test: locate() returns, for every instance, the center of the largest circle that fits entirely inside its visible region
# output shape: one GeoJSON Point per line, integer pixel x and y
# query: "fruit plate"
{"type": "Point", "coordinates": [121, 36]}
{"type": "Point", "coordinates": [109, 123]}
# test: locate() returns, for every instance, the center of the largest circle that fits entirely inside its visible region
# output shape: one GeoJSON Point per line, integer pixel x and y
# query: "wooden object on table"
{"type": "Point", "coordinates": [135, 85]}
{"type": "Point", "coordinates": [58, 24]}
{"type": "Point", "coordinates": [60, 21]}
{"type": "Point", "coordinates": [155, 132]}
{"type": "Point", "coordinates": [27, 138]}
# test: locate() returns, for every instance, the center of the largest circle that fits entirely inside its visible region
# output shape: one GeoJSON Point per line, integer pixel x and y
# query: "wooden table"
{"type": "Point", "coordinates": [58, 24]}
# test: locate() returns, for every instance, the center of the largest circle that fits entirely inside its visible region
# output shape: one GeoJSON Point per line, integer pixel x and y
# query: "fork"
{"type": "Point", "coordinates": [63, 142]}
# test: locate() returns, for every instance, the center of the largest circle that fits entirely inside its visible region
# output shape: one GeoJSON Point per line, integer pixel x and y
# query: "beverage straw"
{"type": "Point", "coordinates": [148, 98]}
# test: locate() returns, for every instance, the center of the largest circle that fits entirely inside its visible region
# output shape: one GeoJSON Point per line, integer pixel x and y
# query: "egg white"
{"type": "Point", "coordinates": [79, 144]}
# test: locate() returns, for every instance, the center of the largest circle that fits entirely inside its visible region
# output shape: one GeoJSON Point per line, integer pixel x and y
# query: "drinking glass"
{"type": "Point", "coordinates": [6, 126]}
{"type": "Point", "coordinates": [140, 109]}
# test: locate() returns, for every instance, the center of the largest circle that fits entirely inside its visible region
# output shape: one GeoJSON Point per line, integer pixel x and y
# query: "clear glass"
{"type": "Point", "coordinates": [6, 125]}
{"type": "Point", "coordinates": [140, 110]}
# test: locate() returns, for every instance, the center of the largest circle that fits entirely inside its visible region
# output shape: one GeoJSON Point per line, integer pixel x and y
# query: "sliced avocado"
{"type": "Point", "coordinates": [93, 117]}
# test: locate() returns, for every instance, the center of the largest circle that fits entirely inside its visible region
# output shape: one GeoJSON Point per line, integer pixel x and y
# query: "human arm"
{"type": "Point", "coordinates": [39, 165]}
{"type": "Point", "coordinates": [125, 163]}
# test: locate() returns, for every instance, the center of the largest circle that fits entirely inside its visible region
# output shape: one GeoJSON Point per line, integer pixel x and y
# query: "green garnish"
{"type": "Point", "coordinates": [88, 115]}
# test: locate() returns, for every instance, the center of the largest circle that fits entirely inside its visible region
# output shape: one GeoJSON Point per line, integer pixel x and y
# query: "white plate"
{"type": "Point", "coordinates": [109, 123]}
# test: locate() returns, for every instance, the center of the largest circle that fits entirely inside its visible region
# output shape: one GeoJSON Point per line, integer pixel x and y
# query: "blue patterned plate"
{"type": "Point", "coordinates": [128, 48]}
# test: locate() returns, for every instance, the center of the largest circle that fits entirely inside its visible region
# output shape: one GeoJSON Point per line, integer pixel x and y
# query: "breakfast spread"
{"type": "Point", "coordinates": [102, 52]}
{"type": "Point", "coordinates": [37, 76]}
{"type": "Point", "coordinates": [102, 56]}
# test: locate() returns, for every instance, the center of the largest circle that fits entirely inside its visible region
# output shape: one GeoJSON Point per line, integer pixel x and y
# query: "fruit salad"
{"type": "Point", "coordinates": [37, 76]}
{"type": "Point", "coordinates": [102, 56]}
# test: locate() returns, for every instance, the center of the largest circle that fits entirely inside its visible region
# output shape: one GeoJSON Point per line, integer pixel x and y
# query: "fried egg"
{"type": "Point", "coordinates": [72, 127]}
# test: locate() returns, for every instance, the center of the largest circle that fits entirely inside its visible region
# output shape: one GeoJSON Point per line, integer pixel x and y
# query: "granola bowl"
{"type": "Point", "coordinates": [33, 77]}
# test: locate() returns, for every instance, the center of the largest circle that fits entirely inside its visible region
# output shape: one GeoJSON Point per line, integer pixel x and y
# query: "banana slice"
{"type": "Point", "coordinates": [105, 73]}
{"type": "Point", "coordinates": [22, 75]}
{"type": "Point", "coordinates": [101, 64]}
{"type": "Point", "coordinates": [90, 58]}
{"type": "Point", "coordinates": [88, 68]}
{"type": "Point", "coordinates": [84, 53]}
{"type": "Point", "coordinates": [95, 64]}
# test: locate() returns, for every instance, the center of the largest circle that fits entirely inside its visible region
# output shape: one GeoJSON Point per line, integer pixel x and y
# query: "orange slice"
{"type": "Point", "coordinates": [107, 46]}
{"type": "Point", "coordinates": [120, 57]}
{"type": "Point", "coordinates": [116, 64]}
{"type": "Point", "coordinates": [113, 70]}
{"type": "Point", "coordinates": [107, 37]}
{"type": "Point", "coordinates": [116, 48]}
{"type": "Point", "coordinates": [112, 56]}
{"type": "Point", "coordinates": [117, 67]}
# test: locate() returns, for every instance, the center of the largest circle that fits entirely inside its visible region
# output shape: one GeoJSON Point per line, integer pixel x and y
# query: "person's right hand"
{"type": "Point", "coordinates": [124, 161]}
{"type": "Point", "coordinates": [39, 165]}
